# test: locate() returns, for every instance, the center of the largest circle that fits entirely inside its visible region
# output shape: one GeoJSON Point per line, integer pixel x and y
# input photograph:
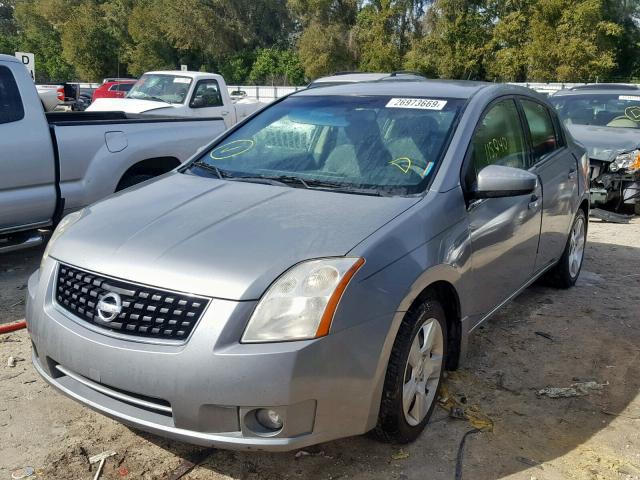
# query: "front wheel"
{"type": "Point", "coordinates": [414, 374]}
{"type": "Point", "coordinates": [567, 270]}
{"type": "Point", "coordinates": [131, 180]}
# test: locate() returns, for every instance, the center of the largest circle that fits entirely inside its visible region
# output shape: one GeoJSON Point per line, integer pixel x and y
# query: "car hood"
{"type": "Point", "coordinates": [217, 238]}
{"type": "Point", "coordinates": [604, 143]}
{"type": "Point", "coordinates": [127, 105]}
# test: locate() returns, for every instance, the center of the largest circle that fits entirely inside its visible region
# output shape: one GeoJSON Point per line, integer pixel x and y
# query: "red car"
{"type": "Point", "coordinates": [117, 89]}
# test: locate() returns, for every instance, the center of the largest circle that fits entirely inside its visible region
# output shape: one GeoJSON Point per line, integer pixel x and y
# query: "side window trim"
{"type": "Point", "coordinates": [561, 143]}
{"type": "Point", "coordinates": [466, 163]}
{"type": "Point", "coordinates": [524, 125]}
{"type": "Point", "coordinates": [195, 90]}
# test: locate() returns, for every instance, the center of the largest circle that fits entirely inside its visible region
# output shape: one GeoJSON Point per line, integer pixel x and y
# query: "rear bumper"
{"type": "Point", "coordinates": [206, 391]}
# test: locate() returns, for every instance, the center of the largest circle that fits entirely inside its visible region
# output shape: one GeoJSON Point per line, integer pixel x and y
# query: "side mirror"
{"type": "Point", "coordinates": [496, 181]}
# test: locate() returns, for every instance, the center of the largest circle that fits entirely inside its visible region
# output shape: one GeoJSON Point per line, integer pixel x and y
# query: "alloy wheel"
{"type": "Point", "coordinates": [422, 372]}
{"type": "Point", "coordinates": [576, 246]}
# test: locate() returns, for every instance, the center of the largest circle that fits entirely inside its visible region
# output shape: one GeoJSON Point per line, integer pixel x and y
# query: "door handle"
{"type": "Point", "coordinates": [533, 203]}
{"type": "Point", "coordinates": [224, 113]}
{"type": "Point", "coordinates": [573, 173]}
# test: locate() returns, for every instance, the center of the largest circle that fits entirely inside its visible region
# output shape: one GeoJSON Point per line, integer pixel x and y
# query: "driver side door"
{"type": "Point", "coordinates": [504, 232]}
{"type": "Point", "coordinates": [206, 101]}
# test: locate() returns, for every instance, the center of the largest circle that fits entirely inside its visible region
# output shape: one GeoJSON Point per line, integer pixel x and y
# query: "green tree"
{"type": "Point", "coordinates": [148, 48]}
{"type": "Point", "coordinates": [8, 28]}
{"type": "Point", "coordinates": [327, 43]}
{"type": "Point", "coordinates": [570, 41]}
{"type": "Point", "coordinates": [454, 45]}
{"type": "Point", "coordinates": [626, 14]}
{"type": "Point", "coordinates": [378, 40]}
{"type": "Point", "coordinates": [277, 67]}
{"type": "Point", "coordinates": [37, 35]}
{"type": "Point", "coordinates": [89, 43]}
{"type": "Point", "coordinates": [236, 68]}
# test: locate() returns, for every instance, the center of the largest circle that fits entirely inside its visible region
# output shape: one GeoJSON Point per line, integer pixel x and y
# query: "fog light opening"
{"type": "Point", "coordinates": [264, 422]}
{"type": "Point", "coordinates": [269, 419]}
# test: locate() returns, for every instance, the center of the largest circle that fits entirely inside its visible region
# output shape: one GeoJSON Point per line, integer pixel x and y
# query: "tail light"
{"type": "Point", "coordinates": [60, 91]}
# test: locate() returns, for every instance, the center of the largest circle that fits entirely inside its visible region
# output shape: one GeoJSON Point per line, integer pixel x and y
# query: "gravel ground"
{"type": "Point", "coordinates": [545, 338]}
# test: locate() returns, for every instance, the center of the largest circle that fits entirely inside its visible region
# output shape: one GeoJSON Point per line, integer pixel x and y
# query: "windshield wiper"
{"type": "Point", "coordinates": [151, 97]}
{"type": "Point", "coordinates": [146, 96]}
{"type": "Point", "coordinates": [211, 168]}
{"type": "Point", "coordinates": [224, 175]}
{"type": "Point", "coordinates": [290, 180]}
{"type": "Point", "coordinates": [340, 187]}
{"type": "Point", "coordinates": [259, 179]}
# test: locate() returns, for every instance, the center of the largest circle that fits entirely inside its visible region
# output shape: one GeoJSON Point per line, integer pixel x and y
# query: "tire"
{"type": "Point", "coordinates": [636, 207]}
{"type": "Point", "coordinates": [394, 424]}
{"type": "Point", "coordinates": [131, 180]}
{"type": "Point", "coordinates": [565, 273]}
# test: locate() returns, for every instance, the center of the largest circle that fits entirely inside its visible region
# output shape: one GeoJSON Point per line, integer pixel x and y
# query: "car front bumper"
{"type": "Point", "coordinates": [206, 390]}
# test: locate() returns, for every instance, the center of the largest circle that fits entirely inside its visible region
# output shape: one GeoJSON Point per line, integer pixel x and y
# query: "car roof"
{"type": "Point", "coordinates": [347, 77]}
{"type": "Point", "coordinates": [352, 77]}
{"type": "Point", "coordinates": [8, 58]}
{"type": "Point", "coordinates": [406, 88]}
{"type": "Point", "coordinates": [182, 73]}
{"type": "Point", "coordinates": [600, 89]}
{"type": "Point", "coordinates": [118, 82]}
{"type": "Point", "coordinates": [114, 82]}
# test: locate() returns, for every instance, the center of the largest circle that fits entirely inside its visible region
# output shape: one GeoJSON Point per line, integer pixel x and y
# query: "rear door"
{"type": "Point", "coordinates": [27, 168]}
{"type": "Point", "coordinates": [504, 232]}
{"type": "Point", "coordinates": [557, 170]}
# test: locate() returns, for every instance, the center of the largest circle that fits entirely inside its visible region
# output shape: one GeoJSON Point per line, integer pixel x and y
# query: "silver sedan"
{"type": "Point", "coordinates": [311, 273]}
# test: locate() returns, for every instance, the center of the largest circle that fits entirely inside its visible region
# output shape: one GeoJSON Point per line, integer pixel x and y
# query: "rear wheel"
{"type": "Point", "coordinates": [567, 270]}
{"type": "Point", "coordinates": [414, 374]}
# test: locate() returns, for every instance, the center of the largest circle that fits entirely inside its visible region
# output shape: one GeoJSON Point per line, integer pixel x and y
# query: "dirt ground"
{"type": "Point", "coordinates": [545, 338]}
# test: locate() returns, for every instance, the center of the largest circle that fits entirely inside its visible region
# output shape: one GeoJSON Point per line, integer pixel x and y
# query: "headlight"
{"type": "Point", "coordinates": [629, 161]}
{"type": "Point", "coordinates": [62, 227]}
{"type": "Point", "coordinates": [300, 304]}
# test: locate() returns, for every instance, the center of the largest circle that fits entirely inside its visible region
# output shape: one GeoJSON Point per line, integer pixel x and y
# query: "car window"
{"type": "Point", "coordinates": [207, 94]}
{"type": "Point", "coordinates": [498, 140]}
{"type": "Point", "coordinates": [11, 109]}
{"type": "Point", "coordinates": [377, 143]}
{"type": "Point", "coordinates": [161, 87]}
{"type": "Point", "coordinates": [601, 109]}
{"type": "Point", "coordinates": [121, 87]}
{"type": "Point", "coordinates": [543, 133]}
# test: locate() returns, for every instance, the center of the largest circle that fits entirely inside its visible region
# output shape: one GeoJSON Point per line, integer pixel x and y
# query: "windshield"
{"type": "Point", "coordinates": [377, 143]}
{"type": "Point", "coordinates": [163, 88]}
{"type": "Point", "coordinates": [604, 110]}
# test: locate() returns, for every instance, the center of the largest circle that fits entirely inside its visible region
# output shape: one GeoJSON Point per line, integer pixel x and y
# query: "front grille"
{"type": "Point", "coordinates": [145, 312]}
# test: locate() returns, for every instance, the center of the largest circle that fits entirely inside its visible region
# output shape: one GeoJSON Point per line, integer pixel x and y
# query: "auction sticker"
{"type": "Point", "coordinates": [629, 97]}
{"type": "Point", "coordinates": [420, 103]}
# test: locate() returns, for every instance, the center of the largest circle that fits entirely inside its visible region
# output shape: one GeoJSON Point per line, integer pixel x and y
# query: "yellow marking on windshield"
{"type": "Point", "coordinates": [232, 149]}
{"type": "Point", "coordinates": [632, 113]}
{"type": "Point", "coordinates": [403, 163]}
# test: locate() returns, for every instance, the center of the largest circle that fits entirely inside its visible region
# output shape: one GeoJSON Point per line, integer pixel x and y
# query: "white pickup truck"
{"type": "Point", "coordinates": [180, 94]}
{"type": "Point", "coordinates": [55, 163]}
